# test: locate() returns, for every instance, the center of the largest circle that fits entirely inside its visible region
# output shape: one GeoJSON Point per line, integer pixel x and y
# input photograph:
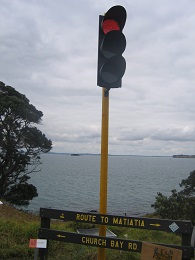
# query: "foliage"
{"type": "Point", "coordinates": [180, 205]}
{"type": "Point", "coordinates": [20, 145]}
{"type": "Point", "coordinates": [189, 185]}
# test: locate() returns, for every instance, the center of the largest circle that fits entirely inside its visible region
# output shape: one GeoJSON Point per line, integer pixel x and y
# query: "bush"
{"type": "Point", "coordinates": [180, 205]}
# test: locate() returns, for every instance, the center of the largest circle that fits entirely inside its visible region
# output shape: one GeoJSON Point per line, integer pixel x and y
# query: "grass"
{"type": "Point", "coordinates": [18, 227]}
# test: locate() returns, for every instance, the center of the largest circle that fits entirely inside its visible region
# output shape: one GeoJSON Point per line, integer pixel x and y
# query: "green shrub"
{"type": "Point", "coordinates": [180, 205]}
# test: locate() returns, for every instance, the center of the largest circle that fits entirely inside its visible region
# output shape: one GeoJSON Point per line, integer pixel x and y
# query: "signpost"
{"type": "Point", "coordinates": [116, 243]}
{"type": "Point", "coordinates": [110, 70]}
{"type": "Point", "coordinates": [184, 228]}
{"type": "Point", "coordinates": [37, 243]}
{"type": "Point", "coordinates": [88, 240]}
{"type": "Point", "coordinates": [171, 226]}
{"type": "Point", "coordinates": [104, 166]}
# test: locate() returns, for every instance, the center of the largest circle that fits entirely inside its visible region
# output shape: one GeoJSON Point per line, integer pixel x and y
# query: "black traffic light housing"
{"type": "Point", "coordinates": [111, 45]}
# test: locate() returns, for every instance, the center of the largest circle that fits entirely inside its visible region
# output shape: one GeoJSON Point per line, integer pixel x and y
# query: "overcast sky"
{"type": "Point", "coordinates": [48, 51]}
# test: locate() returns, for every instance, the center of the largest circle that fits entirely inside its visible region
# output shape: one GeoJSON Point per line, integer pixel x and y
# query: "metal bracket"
{"type": "Point", "coordinates": [106, 92]}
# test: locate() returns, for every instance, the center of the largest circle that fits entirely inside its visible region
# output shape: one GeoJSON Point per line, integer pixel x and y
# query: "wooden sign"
{"type": "Point", "coordinates": [175, 226]}
{"type": "Point", "coordinates": [88, 240]}
{"type": "Point", "coordinates": [156, 252]}
{"type": "Point", "coordinates": [148, 250]}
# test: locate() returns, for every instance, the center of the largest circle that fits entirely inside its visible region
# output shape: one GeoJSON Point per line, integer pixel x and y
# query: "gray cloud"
{"type": "Point", "coordinates": [48, 52]}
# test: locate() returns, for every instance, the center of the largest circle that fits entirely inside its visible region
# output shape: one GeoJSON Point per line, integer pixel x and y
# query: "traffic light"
{"type": "Point", "coordinates": [111, 45]}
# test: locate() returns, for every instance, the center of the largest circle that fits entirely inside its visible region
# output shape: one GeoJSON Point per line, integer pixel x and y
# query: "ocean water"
{"type": "Point", "coordinates": [73, 182]}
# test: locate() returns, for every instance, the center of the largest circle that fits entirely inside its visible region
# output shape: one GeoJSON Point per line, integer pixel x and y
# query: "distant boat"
{"type": "Point", "coordinates": [75, 154]}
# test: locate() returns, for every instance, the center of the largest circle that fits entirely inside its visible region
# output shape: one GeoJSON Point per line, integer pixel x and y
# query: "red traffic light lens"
{"type": "Point", "coordinates": [110, 25]}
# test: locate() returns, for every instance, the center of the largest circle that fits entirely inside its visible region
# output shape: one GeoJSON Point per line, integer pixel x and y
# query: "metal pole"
{"type": "Point", "coordinates": [104, 166]}
{"type": "Point", "coordinates": [36, 254]}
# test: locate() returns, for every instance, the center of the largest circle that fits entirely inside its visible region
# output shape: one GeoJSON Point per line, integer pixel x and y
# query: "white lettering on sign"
{"type": "Point", "coordinates": [128, 222]}
{"type": "Point", "coordinates": [93, 241]}
{"type": "Point", "coordinates": [116, 244]}
{"type": "Point", "coordinates": [132, 246]}
{"type": "Point", "coordinates": [86, 217]}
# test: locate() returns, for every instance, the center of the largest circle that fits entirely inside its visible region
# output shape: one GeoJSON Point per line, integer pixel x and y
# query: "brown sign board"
{"type": "Point", "coordinates": [157, 252]}
{"type": "Point", "coordinates": [173, 226]}
{"type": "Point", "coordinates": [89, 240]}
{"type": "Point", "coordinates": [105, 242]}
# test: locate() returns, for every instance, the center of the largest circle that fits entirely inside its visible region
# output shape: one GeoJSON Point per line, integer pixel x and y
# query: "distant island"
{"type": "Point", "coordinates": [97, 154]}
{"type": "Point", "coordinates": [183, 156]}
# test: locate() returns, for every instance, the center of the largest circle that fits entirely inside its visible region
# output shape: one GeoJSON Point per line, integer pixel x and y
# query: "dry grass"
{"type": "Point", "coordinates": [9, 212]}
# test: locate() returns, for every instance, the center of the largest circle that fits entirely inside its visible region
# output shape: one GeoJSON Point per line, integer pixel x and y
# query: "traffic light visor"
{"type": "Point", "coordinates": [116, 15]}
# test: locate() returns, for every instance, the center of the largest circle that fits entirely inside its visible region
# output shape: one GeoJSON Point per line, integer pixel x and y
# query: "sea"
{"type": "Point", "coordinates": [73, 182]}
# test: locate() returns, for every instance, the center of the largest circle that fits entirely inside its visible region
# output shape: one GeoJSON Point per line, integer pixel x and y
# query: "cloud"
{"type": "Point", "coordinates": [48, 52]}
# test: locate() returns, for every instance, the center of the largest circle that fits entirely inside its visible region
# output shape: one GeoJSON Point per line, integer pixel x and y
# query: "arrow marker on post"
{"type": "Point", "coordinates": [155, 225]}
{"type": "Point", "coordinates": [61, 236]}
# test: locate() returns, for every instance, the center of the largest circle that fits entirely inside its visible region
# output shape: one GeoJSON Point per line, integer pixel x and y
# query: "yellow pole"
{"type": "Point", "coordinates": [104, 166]}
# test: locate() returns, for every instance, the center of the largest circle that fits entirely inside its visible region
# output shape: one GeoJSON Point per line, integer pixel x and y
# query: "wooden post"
{"type": "Point", "coordinates": [186, 241]}
{"type": "Point", "coordinates": [43, 252]}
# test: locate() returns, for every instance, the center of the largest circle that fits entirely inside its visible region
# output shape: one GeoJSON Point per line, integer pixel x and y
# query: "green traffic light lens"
{"type": "Point", "coordinates": [113, 69]}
